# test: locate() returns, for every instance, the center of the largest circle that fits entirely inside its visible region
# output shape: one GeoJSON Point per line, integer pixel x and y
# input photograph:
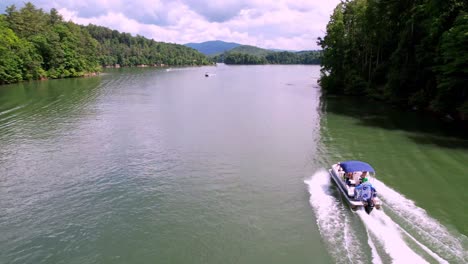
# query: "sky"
{"type": "Point", "coordinates": [278, 24]}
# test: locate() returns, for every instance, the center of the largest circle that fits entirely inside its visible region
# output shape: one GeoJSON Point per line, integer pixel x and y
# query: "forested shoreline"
{"type": "Point", "coordinates": [283, 57]}
{"type": "Point", "coordinates": [38, 45]}
{"type": "Point", "coordinates": [409, 53]}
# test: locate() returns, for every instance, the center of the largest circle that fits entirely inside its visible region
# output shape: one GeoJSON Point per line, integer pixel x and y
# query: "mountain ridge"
{"type": "Point", "coordinates": [213, 47]}
{"type": "Point", "coordinates": [218, 47]}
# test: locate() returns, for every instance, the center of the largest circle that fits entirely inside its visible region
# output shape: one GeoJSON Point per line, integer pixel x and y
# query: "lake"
{"type": "Point", "coordinates": [145, 165]}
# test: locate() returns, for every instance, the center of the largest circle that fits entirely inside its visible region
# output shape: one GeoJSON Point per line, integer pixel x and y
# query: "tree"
{"type": "Point", "coordinates": [411, 53]}
{"type": "Point", "coordinates": [453, 70]}
{"type": "Point", "coordinates": [35, 45]}
{"type": "Point", "coordinates": [10, 64]}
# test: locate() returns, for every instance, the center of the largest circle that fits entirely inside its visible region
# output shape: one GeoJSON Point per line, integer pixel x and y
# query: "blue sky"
{"type": "Point", "coordinates": [281, 24]}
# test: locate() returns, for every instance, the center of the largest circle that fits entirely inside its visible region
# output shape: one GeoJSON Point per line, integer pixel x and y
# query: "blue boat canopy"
{"type": "Point", "coordinates": [356, 165]}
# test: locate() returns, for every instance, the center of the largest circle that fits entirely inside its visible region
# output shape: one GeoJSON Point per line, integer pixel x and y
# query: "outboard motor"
{"type": "Point", "coordinates": [365, 194]}
{"type": "Point", "coordinates": [369, 206]}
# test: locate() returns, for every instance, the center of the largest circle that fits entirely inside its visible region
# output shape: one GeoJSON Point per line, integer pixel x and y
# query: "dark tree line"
{"type": "Point", "coordinates": [36, 45]}
{"type": "Point", "coordinates": [412, 53]}
{"type": "Point", "coordinates": [244, 58]}
{"type": "Point", "coordinates": [284, 57]}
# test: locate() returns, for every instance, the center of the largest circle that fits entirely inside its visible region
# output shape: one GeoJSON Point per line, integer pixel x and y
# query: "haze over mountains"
{"type": "Point", "coordinates": [217, 47]}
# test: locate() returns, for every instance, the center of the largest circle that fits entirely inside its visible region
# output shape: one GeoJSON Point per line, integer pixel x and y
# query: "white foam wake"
{"type": "Point", "coordinates": [428, 231]}
{"type": "Point", "coordinates": [332, 221]}
{"type": "Point", "coordinates": [389, 235]}
{"type": "Point", "coordinates": [375, 255]}
{"type": "Point", "coordinates": [406, 235]}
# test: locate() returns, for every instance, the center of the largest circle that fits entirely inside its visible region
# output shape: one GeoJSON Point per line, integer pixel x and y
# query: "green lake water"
{"type": "Point", "coordinates": [170, 166]}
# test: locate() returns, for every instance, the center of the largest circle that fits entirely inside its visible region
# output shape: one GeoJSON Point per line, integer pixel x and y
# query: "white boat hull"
{"type": "Point", "coordinates": [348, 191]}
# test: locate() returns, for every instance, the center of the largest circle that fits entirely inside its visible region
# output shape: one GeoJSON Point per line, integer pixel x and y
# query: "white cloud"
{"type": "Point", "coordinates": [282, 24]}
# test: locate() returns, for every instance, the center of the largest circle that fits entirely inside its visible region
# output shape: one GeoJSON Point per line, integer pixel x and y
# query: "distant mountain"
{"type": "Point", "coordinates": [235, 53]}
{"type": "Point", "coordinates": [213, 47]}
{"type": "Point", "coordinates": [306, 51]}
{"type": "Point", "coordinates": [253, 50]}
{"type": "Point", "coordinates": [281, 50]}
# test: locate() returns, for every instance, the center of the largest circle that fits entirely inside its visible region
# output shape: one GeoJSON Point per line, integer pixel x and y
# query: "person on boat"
{"type": "Point", "coordinates": [366, 192]}
{"type": "Point", "coordinates": [363, 176]}
{"type": "Point", "coordinates": [348, 177]}
{"type": "Point", "coordinates": [357, 178]}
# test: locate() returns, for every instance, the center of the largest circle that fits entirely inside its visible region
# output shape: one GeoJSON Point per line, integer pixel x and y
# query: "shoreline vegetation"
{"type": "Point", "coordinates": [410, 54]}
{"type": "Point", "coordinates": [250, 55]}
{"type": "Point", "coordinates": [35, 45]}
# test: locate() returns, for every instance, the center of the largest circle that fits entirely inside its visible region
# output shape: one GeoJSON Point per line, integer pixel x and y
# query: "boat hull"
{"type": "Point", "coordinates": [348, 191]}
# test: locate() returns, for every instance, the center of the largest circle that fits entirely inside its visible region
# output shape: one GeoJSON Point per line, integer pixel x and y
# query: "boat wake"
{"type": "Point", "coordinates": [333, 220]}
{"type": "Point", "coordinates": [400, 233]}
{"type": "Point", "coordinates": [178, 69]}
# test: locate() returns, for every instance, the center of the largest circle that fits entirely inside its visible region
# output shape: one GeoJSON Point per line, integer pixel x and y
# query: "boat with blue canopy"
{"type": "Point", "coordinates": [353, 179]}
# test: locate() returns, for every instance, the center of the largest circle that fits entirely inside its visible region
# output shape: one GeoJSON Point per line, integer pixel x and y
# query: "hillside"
{"type": "Point", "coordinates": [35, 44]}
{"type": "Point", "coordinates": [213, 47]}
{"type": "Point", "coordinates": [125, 50]}
{"type": "Point", "coordinates": [251, 50]}
{"type": "Point", "coordinates": [246, 54]}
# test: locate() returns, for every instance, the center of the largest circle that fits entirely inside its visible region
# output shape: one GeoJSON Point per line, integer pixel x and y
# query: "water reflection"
{"type": "Point", "coordinates": [421, 128]}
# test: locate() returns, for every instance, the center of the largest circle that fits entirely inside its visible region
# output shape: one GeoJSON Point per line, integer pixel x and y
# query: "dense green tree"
{"type": "Point", "coordinates": [333, 57]}
{"type": "Point", "coordinates": [49, 46]}
{"type": "Point", "coordinates": [125, 50]}
{"type": "Point", "coordinates": [35, 45]}
{"type": "Point", "coordinates": [10, 64]}
{"type": "Point", "coordinates": [271, 57]}
{"type": "Point", "coordinates": [411, 53]}
{"type": "Point", "coordinates": [28, 21]}
{"type": "Point", "coordinates": [453, 70]}
{"type": "Point", "coordinates": [243, 58]}
{"type": "Point", "coordinates": [18, 58]}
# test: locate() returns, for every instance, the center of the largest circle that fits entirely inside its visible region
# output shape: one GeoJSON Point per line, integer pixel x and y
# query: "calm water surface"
{"type": "Point", "coordinates": [168, 166]}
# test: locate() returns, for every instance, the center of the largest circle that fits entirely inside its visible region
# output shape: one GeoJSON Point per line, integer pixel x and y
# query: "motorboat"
{"type": "Point", "coordinates": [354, 178]}
{"type": "Point", "coordinates": [209, 74]}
